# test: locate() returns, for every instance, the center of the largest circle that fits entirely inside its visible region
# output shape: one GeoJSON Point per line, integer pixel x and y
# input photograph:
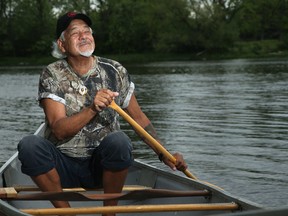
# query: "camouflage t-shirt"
{"type": "Point", "coordinates": [60, 83]}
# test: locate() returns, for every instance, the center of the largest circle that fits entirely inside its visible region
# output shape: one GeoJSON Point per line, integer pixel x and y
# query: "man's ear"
{"type": "Point", "coordinates": [61, 45]}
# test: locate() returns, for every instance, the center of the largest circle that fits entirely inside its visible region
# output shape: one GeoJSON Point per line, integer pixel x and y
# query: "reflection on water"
{"type": "Point", "coordinates": [228, 118]}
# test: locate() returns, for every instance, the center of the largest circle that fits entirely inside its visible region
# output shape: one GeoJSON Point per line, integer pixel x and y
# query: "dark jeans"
{"type": "Point", "coordinates": [38, 156]}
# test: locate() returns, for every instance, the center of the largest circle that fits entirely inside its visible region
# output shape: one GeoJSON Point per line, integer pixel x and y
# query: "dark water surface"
{"type": "Point", "coordinates": [228, 118]}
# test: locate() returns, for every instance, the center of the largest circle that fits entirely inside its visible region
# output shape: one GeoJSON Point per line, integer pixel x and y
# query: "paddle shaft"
{"type": "Point", "coordinates": [133, 209]}
{"type": "Point", "coordinates": [143, 133]}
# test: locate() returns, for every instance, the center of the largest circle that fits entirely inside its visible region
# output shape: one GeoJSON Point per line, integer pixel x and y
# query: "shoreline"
{"type": "Point", "coordinates": [140, 58]}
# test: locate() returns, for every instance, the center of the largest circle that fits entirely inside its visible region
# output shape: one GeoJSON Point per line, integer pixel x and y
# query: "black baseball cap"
{"type": "Point", "coordinates": [64, 21]}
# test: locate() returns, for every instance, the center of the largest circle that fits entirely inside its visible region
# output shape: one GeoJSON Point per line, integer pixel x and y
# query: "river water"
{"type": "Point", "coordinates": [228, 118]}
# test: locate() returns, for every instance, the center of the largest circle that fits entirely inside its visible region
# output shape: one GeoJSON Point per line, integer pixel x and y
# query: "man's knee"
{"type": "Point", "coordinates": [117, 151]}
{"type": "Point", "coordinates": [36, 155]}
{"type": "Point", "coordinates": [118, 142]}
{"type": "Point", "coordinates": [29, 144]}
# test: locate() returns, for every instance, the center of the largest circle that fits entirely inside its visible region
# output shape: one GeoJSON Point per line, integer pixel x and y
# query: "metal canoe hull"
{"type": "Point", "coordinates": [139, 174]}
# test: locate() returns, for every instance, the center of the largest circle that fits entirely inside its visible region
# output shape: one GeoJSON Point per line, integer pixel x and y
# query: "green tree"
{"type": "Point", "coordinates": [147, 25]}
{"type": "Point", "coordinates": [29, 27]}
{"type": "Point", "coordinates": [122, 27]}
{"type": "Point", "coordinates": [83, 6]}
{"type": "Point", "coordinates": [6, 44]}
{"type": "Point", "coordinates": [261, 19]}
{"type": "Point", "coordinates": [171, 26]}
{"type": "Point", "coordinates": [214, 28]}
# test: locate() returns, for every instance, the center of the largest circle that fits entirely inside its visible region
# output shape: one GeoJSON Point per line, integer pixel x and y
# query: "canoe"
{"type": "Point", "coordinates": [147, 190]}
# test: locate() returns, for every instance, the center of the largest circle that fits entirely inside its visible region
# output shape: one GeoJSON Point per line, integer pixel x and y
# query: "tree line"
{"type": "Point", "coordinates": [27, 27]}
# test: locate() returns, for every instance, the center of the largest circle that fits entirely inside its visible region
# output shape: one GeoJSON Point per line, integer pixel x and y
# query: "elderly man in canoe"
{"type": "Point", "coordinates": [83, 144]}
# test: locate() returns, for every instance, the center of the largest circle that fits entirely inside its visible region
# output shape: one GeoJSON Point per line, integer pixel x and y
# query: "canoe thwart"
{"type": "Point", "coordinates": [134, 209]}
{"type": "Point", "coordinates": [20, 188]}
{"type": "Point", "coordinates": [8, 192]}
{"type": "Point", "coordinates": [132, 195]}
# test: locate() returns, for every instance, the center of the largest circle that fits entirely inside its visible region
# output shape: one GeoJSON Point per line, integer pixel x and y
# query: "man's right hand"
{"type": "Point", "coordinates": [103, 99]}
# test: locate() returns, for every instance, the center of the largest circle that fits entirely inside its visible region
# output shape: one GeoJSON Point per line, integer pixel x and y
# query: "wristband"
{"type": "Point", "coordinates": [160, 156]}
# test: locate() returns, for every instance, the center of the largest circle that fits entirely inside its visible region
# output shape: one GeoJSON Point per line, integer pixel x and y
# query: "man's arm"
{"type": "Point", "coordinates": [139, 116]}
{"type": "Point", "coordinates": [62, 126]}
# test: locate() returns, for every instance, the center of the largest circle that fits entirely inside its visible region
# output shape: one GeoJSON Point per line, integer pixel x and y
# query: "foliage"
{"type": "Point", "coordinates": [263, 20]}
{"type": "Point", "coordinates": [256, 48]}
{"type": "Point", "coordinates": [27, 27]}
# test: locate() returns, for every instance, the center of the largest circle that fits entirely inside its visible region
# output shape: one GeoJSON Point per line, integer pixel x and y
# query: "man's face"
{"type": "Point", "coordinates": [78, 39]}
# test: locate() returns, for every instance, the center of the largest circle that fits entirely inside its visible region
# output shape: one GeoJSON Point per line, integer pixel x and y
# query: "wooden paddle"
{"type": "Point", "coordinates": [134, 209]}
{"type": "Point", "coordinates": [153, 141]}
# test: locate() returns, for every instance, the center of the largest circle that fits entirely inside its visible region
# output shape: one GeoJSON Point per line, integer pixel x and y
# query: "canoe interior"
{"type": "Point", "coordinates": [139, 174]}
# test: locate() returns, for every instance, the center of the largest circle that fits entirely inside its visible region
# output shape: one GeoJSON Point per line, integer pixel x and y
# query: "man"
{"type": "Point", "coordinates": [83, 144]}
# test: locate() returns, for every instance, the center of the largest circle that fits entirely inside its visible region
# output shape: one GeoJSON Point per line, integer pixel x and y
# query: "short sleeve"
{"type": "Point", "coordinates": [49, 86]}
{"type": "Point", "coordinates": [126, 86]}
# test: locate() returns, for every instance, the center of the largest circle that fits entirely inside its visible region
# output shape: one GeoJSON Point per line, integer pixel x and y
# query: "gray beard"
{"type": "Point", "coordinates": [87, 53]}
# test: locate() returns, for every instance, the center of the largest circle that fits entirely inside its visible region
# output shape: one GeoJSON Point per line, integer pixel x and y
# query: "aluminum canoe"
{"type": "Point", "coordinates": [148, 191]}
